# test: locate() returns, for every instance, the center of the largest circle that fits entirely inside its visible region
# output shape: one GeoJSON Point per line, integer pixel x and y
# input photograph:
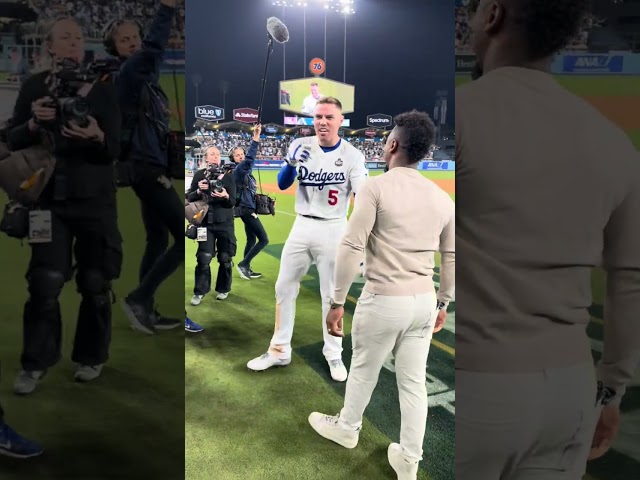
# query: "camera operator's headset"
{"type": "Point", "coordinates": [233, 150]}
{"type": "Point", "coordinates": [107, 34]}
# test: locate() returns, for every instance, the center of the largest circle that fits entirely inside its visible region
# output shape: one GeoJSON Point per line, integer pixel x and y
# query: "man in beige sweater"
{"type": "Point", "coordinates": [401, 219]}
{"type": "Point", "coordinates": [547, 189]}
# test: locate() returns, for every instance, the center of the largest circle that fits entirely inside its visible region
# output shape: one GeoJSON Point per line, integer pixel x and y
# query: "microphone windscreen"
{"type": "Point", "coordinates": [277, 30]}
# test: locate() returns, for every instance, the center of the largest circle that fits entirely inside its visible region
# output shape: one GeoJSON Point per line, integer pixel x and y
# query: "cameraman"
{"type": "Point", "coordinates": [77, 211]}
{"type": "Point", "coordinates": [246, 194]}
{"type": "Point", "coordinates": [218, 225]}
{"type": "Point", "coordinates": [145, 158]}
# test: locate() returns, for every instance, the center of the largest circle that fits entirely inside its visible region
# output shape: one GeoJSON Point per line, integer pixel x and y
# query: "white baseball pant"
{"type": "Point", "coordinates": [310, 242]}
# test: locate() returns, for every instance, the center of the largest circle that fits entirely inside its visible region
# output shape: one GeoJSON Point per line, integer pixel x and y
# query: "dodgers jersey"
{"type": "Point", "coordinates": [326, 180]}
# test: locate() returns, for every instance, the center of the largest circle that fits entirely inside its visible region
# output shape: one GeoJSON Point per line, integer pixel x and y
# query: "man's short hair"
{"type": "Point", "coordinates": [417, 133]}
{"type": "Point", "coordinates": [330, 101]}
{"type": "Point", "coordinates": [545, 26]}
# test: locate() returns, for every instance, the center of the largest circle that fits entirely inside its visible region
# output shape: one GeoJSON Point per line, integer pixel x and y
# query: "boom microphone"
{"type": "Point", "coordinates": [277, 30]}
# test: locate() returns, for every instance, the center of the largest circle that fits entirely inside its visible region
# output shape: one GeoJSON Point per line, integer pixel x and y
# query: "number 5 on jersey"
{"type": "Point", "coordinates": [333, 197]}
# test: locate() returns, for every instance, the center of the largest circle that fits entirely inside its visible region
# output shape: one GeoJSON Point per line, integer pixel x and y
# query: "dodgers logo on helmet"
{"type": "Point", "coordinates": [319, 179]}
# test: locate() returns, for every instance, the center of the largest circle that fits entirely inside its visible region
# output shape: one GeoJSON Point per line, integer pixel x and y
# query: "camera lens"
{"type": "Point", "coordinates": [79, 107]}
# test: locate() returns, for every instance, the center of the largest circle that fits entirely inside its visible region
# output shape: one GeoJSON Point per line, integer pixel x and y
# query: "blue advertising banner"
{"type": "Point", "coordinates": [437, 166]}
{"type": "Point", "coordinates": [618, 63]}
{"type": "Point", "coordinates": [593, 64]}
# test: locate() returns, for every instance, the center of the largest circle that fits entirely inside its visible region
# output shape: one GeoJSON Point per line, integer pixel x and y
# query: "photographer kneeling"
{"type": "Point", "coordinates": [216, 233]}
{"type": "Point", "coordinates": [76, 214]}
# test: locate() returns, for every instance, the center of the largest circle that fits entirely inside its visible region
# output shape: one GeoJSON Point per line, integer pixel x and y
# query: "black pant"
{"type": "Point", "coordinates": [221, 239]}
{"type": "Point", "coordinates": [257, 237]}
{"type": "Point", "coordinates": [88, 231]}
{"type": "Point", "coordinates": [162, 214]}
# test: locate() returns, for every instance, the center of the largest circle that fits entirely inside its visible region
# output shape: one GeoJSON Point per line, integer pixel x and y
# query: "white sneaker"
{"type": "Point", "coordinates": [266, 361]}
{"type": "Point", "coordinates": [196, 299]}
{"type": "Point", "coordinates": [330, 428]}
{"type": "Point", "coordinates": [222, 296]}
{"type": "Point", "coordinates": [338, 370]}
{"type": "Point", "coordinates": [405, 469]}
{"type": "Point", "coordinates": [86, 373]}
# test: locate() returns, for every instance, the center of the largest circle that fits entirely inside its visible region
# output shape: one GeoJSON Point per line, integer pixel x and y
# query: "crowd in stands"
{"type": "Point", "coordinates": [96, 14]}
{"type": "Point", "coordinates": [270, 147]}
{"type": "Point", "coordinates": [463, 31]}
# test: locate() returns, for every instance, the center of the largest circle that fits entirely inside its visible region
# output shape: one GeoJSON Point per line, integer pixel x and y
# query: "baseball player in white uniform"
{"type": "Point", "coordinates": [328, 170]}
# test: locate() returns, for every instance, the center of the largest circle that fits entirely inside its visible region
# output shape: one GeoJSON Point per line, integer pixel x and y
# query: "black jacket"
{"type": "Point", "coordinates": [220, 209]}
{"type": "Point", "coordinates": [87, 166]}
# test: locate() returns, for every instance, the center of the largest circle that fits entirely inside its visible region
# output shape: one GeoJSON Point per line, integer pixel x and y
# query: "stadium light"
{"type": "Point", "coordinates": [345, 7]}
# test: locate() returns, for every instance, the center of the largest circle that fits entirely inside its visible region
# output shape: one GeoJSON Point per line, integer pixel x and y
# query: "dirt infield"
{"type": "Point", "coordinates": [448, 185]}
{"type": "Point", "coordinates": [623, 111]}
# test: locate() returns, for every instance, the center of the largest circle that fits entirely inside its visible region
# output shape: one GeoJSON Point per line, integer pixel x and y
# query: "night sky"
{"type": "Point", "coordinates": [399, 53]}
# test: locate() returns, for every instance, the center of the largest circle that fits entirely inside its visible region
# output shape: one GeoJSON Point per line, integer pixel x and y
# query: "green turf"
{"type": "Point", "coordinates": [253, 426]}
{"type": "Point", "coordinates": [177, 103]}
{"type": "Point", "coordinates": [126, 424]}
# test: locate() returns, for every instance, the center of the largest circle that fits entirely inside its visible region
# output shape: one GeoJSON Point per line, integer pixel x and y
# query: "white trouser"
{"type": "Point", "coordinates": [310, 242]}
{"type": "Point", "coordinates": [404, 326]}
{"type": "Point", "coordinates": [525, 426]}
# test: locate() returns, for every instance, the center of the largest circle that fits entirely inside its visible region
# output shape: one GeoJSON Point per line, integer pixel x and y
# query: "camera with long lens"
{"type": "Point", "coordinates": [215, 184]}
{"type": "Point", "coordinates": [65, 83]}
{"type": "Point", "coordinates": [213, 172]}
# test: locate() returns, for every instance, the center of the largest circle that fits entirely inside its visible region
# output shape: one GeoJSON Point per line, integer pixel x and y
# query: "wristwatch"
{"type": "Point", "coordinates": [605, 394]}
{"type": "Point", "coordinates": [335, 305]}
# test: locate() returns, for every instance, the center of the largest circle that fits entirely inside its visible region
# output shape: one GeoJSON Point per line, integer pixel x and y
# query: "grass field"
{"type": "Point", "coordinates": [129, 423]}
{"type": "Point", "coordinates": [253, 426]}
{"type": "Point", "coordinates": [617, 97]}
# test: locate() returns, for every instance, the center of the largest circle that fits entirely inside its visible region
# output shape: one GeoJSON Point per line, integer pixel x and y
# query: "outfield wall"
{"type": "Point", "coordinates": [613, 63]}
{"type": "Point", "coordinates": [430, 166]}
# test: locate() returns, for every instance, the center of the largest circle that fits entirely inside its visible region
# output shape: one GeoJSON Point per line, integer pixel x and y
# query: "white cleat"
{"type": "Point", "coordinates": [405, 468]}
{"type": "Point", "coordinates": [266, 361]}
{"type": "Point", "coordinates": [329, 427]}
{"type": "Point", "coordinates": [222, 296]}
{"type": "Point", "coordinates": [338, 370]}
{"type": "Point", "coordinates": [196, 299]}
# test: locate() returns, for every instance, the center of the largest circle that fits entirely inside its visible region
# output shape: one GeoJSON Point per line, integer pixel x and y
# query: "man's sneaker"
{"type": "Point", "coordinates": [26, 382]}
{"type": "Point", "coordinates": [405, 468]}
{"type": "Point", "coordinates": [191, 326]}
{"type": "Point", "coordinates": [253, 274]}
{"type": "Point", "coordinates": [338, 370]}
{"type": "Point", "coordinates": [164, 323]}
{"type": "Point", "coordinates": [244, 272]}
{"type": "Point", "coordinates": [330, 428]}
{"type": "Point", "coordinates": [14, 445]}
{"type": "Point", "coordinates": [139, 317]}
{"type": "Point", "coordinates": [86, 373]}
{"type": "Point", "coordinates": [222, 296]}
{"type": "Point", "coordinates": [267, 361]}
{"type": "Point", "coordinates": [196, 299]}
